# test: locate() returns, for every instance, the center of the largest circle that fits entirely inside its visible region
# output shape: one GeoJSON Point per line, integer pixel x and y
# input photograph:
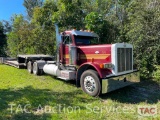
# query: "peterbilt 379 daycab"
{"type": "Point", "coordinates": [97, 68]}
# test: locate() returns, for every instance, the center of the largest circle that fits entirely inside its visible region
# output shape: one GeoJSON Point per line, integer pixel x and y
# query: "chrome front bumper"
{"type": "Point", "coordinates": [113, 83]}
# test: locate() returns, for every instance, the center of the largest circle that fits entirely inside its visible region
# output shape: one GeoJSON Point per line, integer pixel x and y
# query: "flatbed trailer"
{"type": "Point", "coordinates": [22, 60]}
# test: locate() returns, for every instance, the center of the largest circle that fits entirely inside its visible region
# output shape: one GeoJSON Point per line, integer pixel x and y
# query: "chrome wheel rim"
{"type": "Point", "coordinates": [89, 84]}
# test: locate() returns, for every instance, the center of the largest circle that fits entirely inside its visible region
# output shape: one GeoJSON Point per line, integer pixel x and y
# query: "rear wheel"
{"type": "Point", "coordinates": [30, 67]}
{"type": "Point", "coordinates": [36, 69]}
{"type": "Point", "coordinates": [90, 83]}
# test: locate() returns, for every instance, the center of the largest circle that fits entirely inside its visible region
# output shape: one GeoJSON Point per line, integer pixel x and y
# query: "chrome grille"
{"type": "Point", "coordinates": [124, 59]}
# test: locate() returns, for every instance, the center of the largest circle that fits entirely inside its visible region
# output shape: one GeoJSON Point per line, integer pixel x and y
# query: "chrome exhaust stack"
{"type": "Point", "coordinates": [58, 41]}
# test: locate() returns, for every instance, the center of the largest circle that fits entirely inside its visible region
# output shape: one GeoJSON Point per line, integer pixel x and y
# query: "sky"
{"type": "Point", "coordinates": [10, 7]}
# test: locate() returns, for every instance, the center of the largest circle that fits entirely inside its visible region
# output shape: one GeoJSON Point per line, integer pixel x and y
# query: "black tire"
{"type": "Point", "coordinates": [36, 70]}
{"type": "Point", "coordinates": [90, 83]}
{"type": "Point", "coordinates": [30, 67]}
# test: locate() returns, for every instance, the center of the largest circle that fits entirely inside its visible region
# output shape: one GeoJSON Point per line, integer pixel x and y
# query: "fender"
{"type": "Point", "coordinates": [89, 65]}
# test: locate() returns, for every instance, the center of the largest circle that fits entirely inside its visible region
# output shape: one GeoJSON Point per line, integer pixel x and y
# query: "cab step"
{"type": "Point", "coordinates": [67, 75]}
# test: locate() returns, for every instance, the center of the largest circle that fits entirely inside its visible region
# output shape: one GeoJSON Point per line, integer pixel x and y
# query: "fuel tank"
{"type": "Point", "coordinates": [50, 69]}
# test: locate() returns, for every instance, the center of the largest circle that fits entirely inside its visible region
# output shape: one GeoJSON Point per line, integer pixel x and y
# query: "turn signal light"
{"type": "Point", "coordinates": [101, 65]}
{"type": "Point", "coordinates": [106, 65]}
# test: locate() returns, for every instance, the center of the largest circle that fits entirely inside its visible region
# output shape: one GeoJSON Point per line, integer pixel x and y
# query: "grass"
{"type": "Point", "coordinates": [46, 98]}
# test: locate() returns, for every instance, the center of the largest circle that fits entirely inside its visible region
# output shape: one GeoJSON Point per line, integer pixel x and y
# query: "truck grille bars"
{"type": "Point", "coordinates": [124, 59]}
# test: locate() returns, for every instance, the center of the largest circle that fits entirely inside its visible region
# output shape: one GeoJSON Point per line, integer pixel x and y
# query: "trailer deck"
{"type": "Point", "coordinates": [34, 56]}
{"type": "Point", "coordinates": [22, 60]}
{"type": "Point", "coordinates": [14, 64]}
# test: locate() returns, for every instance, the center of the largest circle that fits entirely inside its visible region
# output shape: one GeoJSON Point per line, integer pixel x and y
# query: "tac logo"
{"type": "Point", "coordinates": [147, 110]}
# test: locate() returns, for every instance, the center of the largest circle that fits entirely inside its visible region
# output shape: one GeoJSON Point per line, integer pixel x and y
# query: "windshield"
{"type": "Point", "coordinates": [84, 40]}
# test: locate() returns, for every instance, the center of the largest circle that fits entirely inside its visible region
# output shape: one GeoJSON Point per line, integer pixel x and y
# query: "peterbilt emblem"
{"type": "Point", "coordinates": [97, 52]}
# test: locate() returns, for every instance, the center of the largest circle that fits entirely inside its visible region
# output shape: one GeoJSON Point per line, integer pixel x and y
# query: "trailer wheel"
{"type": "Point", "coordinates": [30, 67]}
{"type": "Point", "coordinates": [36, 70]}
{"type": "Point", "coordinates": [90, 83]}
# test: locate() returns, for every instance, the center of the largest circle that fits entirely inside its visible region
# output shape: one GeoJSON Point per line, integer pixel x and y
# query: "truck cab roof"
{"type": "Point", "coordinates": [82, 33]}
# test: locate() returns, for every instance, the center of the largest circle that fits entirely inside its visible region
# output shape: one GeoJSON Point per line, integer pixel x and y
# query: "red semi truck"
{"type": "Point", "coordinates": [97, 68]}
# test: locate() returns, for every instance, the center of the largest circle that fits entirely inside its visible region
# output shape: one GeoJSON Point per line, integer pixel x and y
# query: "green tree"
{"type": "Point", "coordinates": [69, 15]}
{"type": "Point", "coordinates": [95, 22]}
{"type": "Point", "coordinates": [15, 39]}
{"type": "Point", "coordinates": [3, 42]}
{"type": "Point", "coordinates": [35, 36]}
{"type": "Point", "coordinates": [44, 31]}
{"type": "Point", "coordinates": [142, 30]}
{"type": "Point", "coordinates": [30, 5]}
{"type": "Point", "coordinates": [7, 26]}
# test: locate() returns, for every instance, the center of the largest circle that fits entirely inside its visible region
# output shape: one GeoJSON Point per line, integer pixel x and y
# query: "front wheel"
{"type": "Point", "coordinates": [90, 83]}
